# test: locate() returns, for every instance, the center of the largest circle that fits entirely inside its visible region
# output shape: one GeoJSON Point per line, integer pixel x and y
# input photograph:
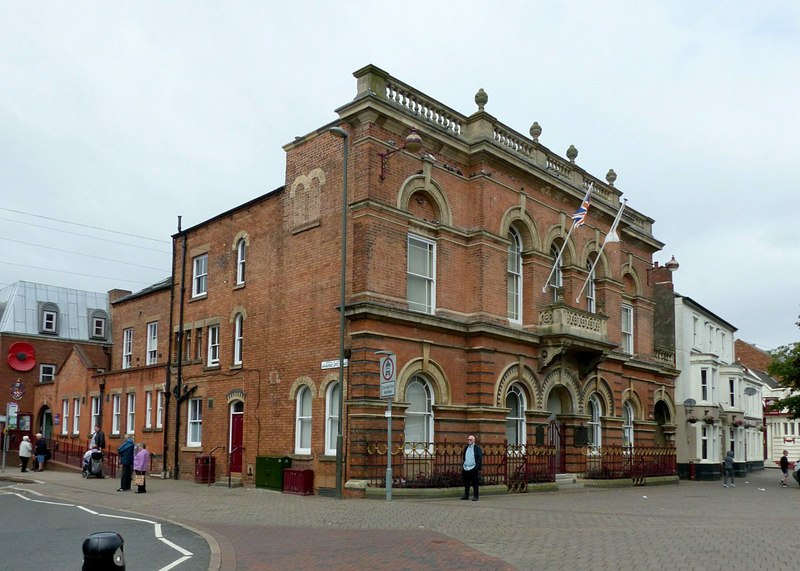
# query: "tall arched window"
{"type": "Point", "coordinates": [515, 421]}
{"type": "Point", "coordinates": [241, 254]}
{"type": "Point", "coordinates": [627, 424]}
{"type": "Point", "coordinates": [514, 276]}
{"type": "Point", "coordinates": [595, 429]}
{"type": "Point", "coordinates": [302, 437]}
{"type": "Point", "coordinates": [591, 293]}
{"type": "Point", "coordinates": [557, 281]}
{"type": "Point", "coordinates": [332, 417]}
{"type": "Point", "coordinates": [419, 414]}
{"type": "Point", "coordinates": [238, 338]}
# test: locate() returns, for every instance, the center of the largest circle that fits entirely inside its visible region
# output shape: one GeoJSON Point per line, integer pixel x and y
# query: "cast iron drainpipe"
{"type": "Point", "coordinates": [210, 453]}
{"type": "Point", "coordinates": [230, 455]}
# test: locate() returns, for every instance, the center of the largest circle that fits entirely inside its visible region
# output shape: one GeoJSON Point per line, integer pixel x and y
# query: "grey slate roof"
{"type": "Point", "coordinates": [20, 303]}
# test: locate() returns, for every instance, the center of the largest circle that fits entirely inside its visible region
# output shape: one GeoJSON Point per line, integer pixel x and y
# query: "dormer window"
{"type": "Point", "coordinates": [98, 324]}
{"type": "Point", "coordinates": [49, 318]}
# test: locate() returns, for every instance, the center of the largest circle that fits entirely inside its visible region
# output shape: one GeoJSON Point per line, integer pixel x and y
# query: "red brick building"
{"type": "Point", "coordinates": [450, 266]}
{"type": "Point", "coordinates": [47, 331]}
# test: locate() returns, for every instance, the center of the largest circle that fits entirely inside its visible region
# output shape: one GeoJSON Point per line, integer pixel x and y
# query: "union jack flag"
{"type": "Point", "coordinates": [579, 218]}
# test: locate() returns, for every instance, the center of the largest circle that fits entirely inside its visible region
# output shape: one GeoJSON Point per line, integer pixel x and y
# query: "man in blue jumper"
{"type": "Point", "coordinates": [473, 462]}
{"type": "Point", "coordinates": [125, 454]}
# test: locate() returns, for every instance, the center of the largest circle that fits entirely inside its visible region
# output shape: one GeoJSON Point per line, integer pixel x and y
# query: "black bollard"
{"type": "Point", "coordinates": [103, 551]}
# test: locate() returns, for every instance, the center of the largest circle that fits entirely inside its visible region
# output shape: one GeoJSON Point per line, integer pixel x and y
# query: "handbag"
{"type": "Point", "coordinates": [138, 480]}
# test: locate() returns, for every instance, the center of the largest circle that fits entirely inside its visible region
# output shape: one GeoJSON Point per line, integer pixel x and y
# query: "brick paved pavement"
{"type": "Point", "coordinates": [693, 525]}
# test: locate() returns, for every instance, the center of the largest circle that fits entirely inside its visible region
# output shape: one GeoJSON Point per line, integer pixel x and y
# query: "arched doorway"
{"type": "Point", "coordinates": [559, 401]}
{"type": "Point", "coordinates": [236, 435]}
{"type": "Point", "coordinates": [661, 417]}
{"type": "Point", "coordinates": [44, 422]}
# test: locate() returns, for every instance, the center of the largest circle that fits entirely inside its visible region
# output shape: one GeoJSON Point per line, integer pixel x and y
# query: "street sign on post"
{"type": "Point", "coordinates": [388, 376]}
{"type": "Point", "coordinates": [388, 385]}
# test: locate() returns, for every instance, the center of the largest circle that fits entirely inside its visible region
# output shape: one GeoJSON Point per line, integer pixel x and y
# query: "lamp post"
{"type": "Point", "coordinates": [342, 134]}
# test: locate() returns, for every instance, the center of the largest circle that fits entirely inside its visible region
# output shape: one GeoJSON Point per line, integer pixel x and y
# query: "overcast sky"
{"type": "Point", "coordinates": [126, 115]}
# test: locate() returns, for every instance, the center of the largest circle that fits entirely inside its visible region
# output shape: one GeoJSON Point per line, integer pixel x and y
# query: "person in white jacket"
{"type": "Point", "coordinates": [25, 452]}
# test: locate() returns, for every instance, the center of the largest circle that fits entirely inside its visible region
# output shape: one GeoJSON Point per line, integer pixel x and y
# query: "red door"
{"type": "Point", "coordinates": [236, 439]}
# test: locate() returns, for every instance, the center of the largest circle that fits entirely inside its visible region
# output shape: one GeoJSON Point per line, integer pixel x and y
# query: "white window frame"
{"type": "Point", "coordinates": [515, 420]}
{"type": "Point", "coordinates": [47, 373]}
{"type": "Point", "coordinates": [49, 321]}
{"type": "Point", "coordinates": [160, 409]}
{"type": "Point", "coordinates": [238, 338]}
{"type": "Point", "coordinates": [705, 443]}
{"type": "Point", "coordinates": [152, 343]}
{"type": "Point", "coordinates": [626, 328]}
{"type": "Point", "coordinates": [127, 348]}
{"type": "Point", "coordinates": [732, 391]}
{"type": "Point", "coordinates": [213, 346]}
{"type": "Point", "coordinates": [704, 385]}
{"type": "Point", "coordinates": [95, 408]}
{"type": "Point", "coordinates": [116, 412]}
{"type": "Point", "coordinates": [241, 260]}
{"type": "Point", "coordinates": [426, 415]}
{"type": "Point", "coordinates": [557, 281]}
{"type": "Point", "coordinates": [425, 282]}
{"type": "Point", "coordinates": [130, 425]}
{"type": "Point", "coordinates": [65, 416]}
{"type": "Point", "coordinates": [591, 286]}
{"type": "Point", "coordinates": [76, 416]}
{"type": "Point", "coordinates": [194, 423]}
{"type": "Point", "coordinates": [200, 275]}
{"type": "Point", "coordinates": [514, 273]}
{"type": "Point", "coordinates": [148, 409]}
{"type": "Point", "coordinates": [332, 418]}
{"type": "Point", "coordinates": [595, 423]}
{"type": "Point", "coordinates": [627, 424]}
{"type": "Point", "coordinates": [302, 432]}
{"type": "Point", "coordinates": [99, 327]}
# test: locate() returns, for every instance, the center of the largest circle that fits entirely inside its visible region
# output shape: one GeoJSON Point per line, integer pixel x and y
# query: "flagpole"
{"type": "Point", "coordinates": [558, 257]}
{"type": "Point", "coordinates": [611, 231]}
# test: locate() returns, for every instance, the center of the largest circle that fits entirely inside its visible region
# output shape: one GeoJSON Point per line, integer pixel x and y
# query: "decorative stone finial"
{"type": "Point", "coordinates": [535, 131]}
{"type": "Point", "coordinates": [611, 176]}
{"type": "Point", "coordinates": [572, 153]}
{"type": "Point", "coordinates": [481, 99]}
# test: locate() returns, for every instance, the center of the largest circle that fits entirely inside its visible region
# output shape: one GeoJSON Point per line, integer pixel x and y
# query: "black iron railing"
{"type": "Point", "coordinates": [438, 464]}
{"type": "Point", "coordinates": [636, 462]}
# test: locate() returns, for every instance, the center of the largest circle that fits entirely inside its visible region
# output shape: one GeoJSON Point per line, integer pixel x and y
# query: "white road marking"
{"type": "Point", "coordinates": [157, 531]}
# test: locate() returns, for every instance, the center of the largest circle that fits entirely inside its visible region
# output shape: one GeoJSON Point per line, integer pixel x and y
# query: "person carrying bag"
{"type": "Point", "coordinates": [141, 464]}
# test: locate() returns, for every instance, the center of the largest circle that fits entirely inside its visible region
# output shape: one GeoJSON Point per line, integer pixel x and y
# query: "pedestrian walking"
{"type": "Point", "coordinates": [125, 453]}
{"type": "Point", "coordinates": [25, 452]}
{"type": "Point", "coordinates": [141, 465]}
{"type": "Point", "coordinates": [785, 468]}
{"type": "Point", "coordinates": [471, 468]}
{"type": "Point", "coordinates": [728, 469]}
{"type": "Point", "coordinates": [41, 452]}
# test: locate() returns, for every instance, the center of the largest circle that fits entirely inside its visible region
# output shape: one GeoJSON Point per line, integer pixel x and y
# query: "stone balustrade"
{"type": "Point", "coordinates": [482, 126]}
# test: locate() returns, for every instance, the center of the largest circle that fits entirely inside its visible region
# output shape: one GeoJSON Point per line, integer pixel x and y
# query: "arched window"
{"type": "Point", "coordinates": [238, 339]}
{"type": "Point", "coordinates": [627, 424]}
{"type": "Point", "coordinates": [302, 438]}
{"type": "Point", "coordinates": [419, 414]}
{"type": "Point", "coordinates": [595, 429]}
{"type": "Point", "coordinates": [241, 253]}
{"type": "Point", "coordinates": [514, 276]}
{"type": "Point", "coordinates": [591, 292]}
{"type": "Point", "coordinates": [515, 421]}
{"type": "Point", "coordinates": [557, 281]}
{"type": "Point", "coordinates": [334, 393]}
